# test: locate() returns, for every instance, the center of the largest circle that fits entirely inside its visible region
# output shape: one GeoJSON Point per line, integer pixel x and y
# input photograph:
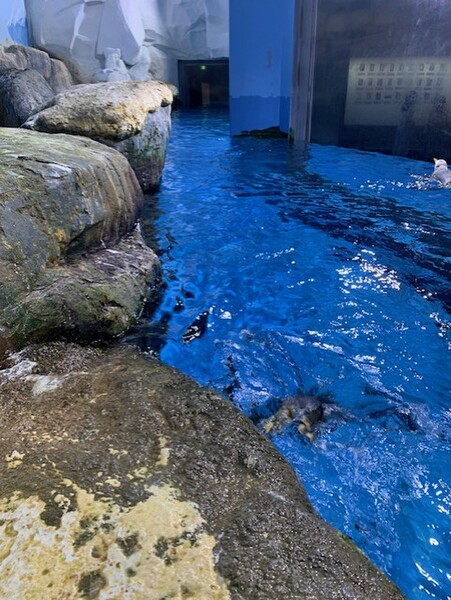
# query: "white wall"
{"type": "Point", "coordinates": [12, 22]}
{"type": "Point", "coordinates": [186, 30]}
{"type": "Point", "coordinates": [79, 31]}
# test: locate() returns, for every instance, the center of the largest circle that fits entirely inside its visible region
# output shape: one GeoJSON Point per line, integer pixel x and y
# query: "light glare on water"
{"type": "Point", "coordinates": [325, 271]}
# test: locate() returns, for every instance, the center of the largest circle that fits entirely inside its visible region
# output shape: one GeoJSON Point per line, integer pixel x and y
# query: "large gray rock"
{"type": "Point", "coordinates": [22, 93]}
{"type": "Point", "coordinates": [146, 151]}
{"type": "Point", "coordinates": [21, 58]}
{"type": "Point", "coordinates": [133, 117]}
{"type": "Point", "coordinates": [91, 296]}
{"type": "Point", "coordinates": [24, 57]}
{"type": "Point", "coordinates": [111, 111]}
{"type": "Point", "coordinates": [29, 80]}
{"type": "Point", "coordinates": [63, 198]}
{"type": "Point", "coordinates": [124, 479]}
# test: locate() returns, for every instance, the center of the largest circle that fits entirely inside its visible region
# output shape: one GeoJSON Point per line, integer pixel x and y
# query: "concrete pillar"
{"type": "Point", "coordinates": [305, 21]}
{"type": "Point", "coordinates": [261, 51]}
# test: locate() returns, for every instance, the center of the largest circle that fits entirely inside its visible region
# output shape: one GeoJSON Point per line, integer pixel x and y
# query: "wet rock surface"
{"type": "Point", "coordinates": [123, 478]}
{"type": "Point", "coordinates": [131, 116]}
{"type": "Point", "coordinates": [65, 204]}
{"type": "Point", "coordinates": [92, 296]}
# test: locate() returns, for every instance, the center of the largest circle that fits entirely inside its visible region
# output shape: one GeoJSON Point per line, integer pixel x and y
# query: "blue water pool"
{"type": "Point", "coordinates": [325, 271]}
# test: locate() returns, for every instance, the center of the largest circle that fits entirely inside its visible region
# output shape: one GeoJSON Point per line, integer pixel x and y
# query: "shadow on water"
{"type": "Point", "coordinates": [319, 274]}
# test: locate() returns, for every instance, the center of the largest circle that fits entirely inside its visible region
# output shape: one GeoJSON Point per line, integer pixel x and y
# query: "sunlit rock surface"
{"type": "Point", "coordinates": [133, 117]}
{"type": "Point", "coordinates": [103, 551]}
{"type": "Point", "coordinates": [71, 263]}
{"type": "Point", "coordinates": [112, 111]}
{"type": "Point", "coordinates": [122, 478]}
{"type": "Point", "coordinates": [147, 35]}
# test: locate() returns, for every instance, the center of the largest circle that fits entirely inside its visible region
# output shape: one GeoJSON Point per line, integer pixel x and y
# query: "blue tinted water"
{"type": "Point", "coordinates": [325, 270]}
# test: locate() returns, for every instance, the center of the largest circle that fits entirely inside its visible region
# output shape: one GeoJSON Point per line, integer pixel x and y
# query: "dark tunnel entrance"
{"type": "Point", "coordinates": [204, 82]}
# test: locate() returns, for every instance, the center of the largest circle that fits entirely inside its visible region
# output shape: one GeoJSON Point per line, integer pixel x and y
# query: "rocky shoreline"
{"type": "Point", "coordinates": [121, 477]}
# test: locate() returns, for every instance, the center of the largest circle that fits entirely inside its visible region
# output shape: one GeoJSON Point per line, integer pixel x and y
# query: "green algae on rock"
{"type": "Point", "coordinates": [98, 295]}
{"type": "Point", "coordinates": [65, 204]}
{"type": "Point", "coordinates": [128, 480]}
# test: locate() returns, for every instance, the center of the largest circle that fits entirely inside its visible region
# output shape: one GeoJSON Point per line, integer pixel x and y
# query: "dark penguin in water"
{"type": "Point", "coordinates": [305, 411]}
{"type": "Point", "coordinates": [441, 172]}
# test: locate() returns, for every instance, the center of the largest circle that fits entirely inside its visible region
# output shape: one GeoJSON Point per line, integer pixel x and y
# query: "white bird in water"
{"type": "Point", "coordinates": [441, 172]}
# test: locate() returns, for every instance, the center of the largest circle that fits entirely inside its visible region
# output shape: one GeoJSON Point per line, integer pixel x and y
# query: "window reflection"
{"type": "Point", "coordinates": [384, 83]}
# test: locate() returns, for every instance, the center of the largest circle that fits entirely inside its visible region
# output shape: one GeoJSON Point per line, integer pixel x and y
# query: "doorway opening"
{"type": "Point", "coordinates": [204, 83]}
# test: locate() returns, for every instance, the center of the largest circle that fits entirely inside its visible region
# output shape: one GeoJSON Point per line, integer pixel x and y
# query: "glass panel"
{"type": "Point", "coordinates": [383, 76]}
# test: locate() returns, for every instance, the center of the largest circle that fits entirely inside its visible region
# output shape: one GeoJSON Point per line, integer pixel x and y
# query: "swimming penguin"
{"type": "Point", "coordinates": [441, 172]}
{"type": "Point", "coordinates": [304, 410]}
{"type": "Point", "coordinates": [197, 328]}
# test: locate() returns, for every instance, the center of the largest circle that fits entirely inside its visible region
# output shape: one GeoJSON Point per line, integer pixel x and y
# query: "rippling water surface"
{"type": "Point", "coordinates": [324, 271]}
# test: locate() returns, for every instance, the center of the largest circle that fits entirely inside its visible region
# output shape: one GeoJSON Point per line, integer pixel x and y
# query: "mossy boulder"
{"type": "Point", "coordinates": [66, 204]}
{"type": "Point", "coordinates": [131, 116]}
{"type": "Point", "coordinates": [122, 478]}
